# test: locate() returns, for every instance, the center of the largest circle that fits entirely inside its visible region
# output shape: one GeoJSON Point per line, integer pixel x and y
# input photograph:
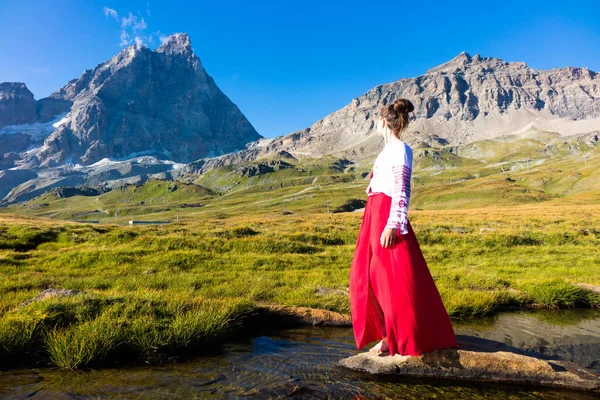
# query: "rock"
{"type": "Point", "coordinates": [49, 107]}
{"type": "Point", "coordinates": [263, 168]}
{"type": "Point", "coordinates": [149, 272]}
{"type": "Point", "coordinates": [340, 165]}
{"type": "Point", "coordinates": [479, 364]}
{"type": "Point", "coordinates": [18, 109]}
{"type": "Point", "coordinates": [590, 287]}
{"type": "Point", "coordinates": [36, 206]}
{"type": "Point", "coordinates": [285, 154]}
{"type": "Point", "coordinates": [17, 105]}
{"type": "Point", "coordinates": [323, 291]}
{"type": "Point", "coordinates": [176, 44]}
{"type": "Point", "coordinates": [255, 170]}
{"type": "Point", "coordinates": [351, 205]}
{"type": "Point", "coordinates": [67, 191]}
{"type": "Point", "coordinates": [459, 229]}
{"type": "Point", "coordinates": [310, 316]}
{"type": "Point", "coordinates": [11, 178]}
{"type": "Point", "coordinates": [51, 293]}
{"type": "Point", "coordinates": [14, 143]}
{"type": "Point", "coordinates": [7, 160]}
{"type": "Point", "coordinates": [187, 205]}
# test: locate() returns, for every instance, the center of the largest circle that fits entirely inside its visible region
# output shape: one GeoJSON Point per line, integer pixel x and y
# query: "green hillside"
{"type": "Point", "coordinates": [531, 167]}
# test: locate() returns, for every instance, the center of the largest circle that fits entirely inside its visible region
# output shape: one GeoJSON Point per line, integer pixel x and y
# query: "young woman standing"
{"type": "Point", "coordinates": [393, 297]}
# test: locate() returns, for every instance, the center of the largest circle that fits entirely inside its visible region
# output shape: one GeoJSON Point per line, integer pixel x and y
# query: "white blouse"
{"type": "Point", "coordinates": [391, 175]}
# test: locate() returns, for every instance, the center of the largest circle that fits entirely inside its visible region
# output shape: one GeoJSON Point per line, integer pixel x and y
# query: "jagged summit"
{"type": "Point", "coordinates": [457, 62]}
{"type": "Point", "coordinates": [140, 101]}
{"type": "Point", "coordinates": [463, 55]}
{"type": "Point", "coordinates": [13, 85]}
{"type": "Point", "coordinates": [177, 43]}
{"type": "Point", "coordinates": [17, 105]}
{"type": "Point", "coordinates": [464, 61]}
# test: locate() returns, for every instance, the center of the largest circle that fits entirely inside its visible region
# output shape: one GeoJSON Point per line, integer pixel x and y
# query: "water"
{"type": "Point", "coordinates": [300, 364]}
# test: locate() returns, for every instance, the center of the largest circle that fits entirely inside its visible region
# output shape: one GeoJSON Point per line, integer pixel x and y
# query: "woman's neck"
{"type": "Point", "coordinates": [393, 140]}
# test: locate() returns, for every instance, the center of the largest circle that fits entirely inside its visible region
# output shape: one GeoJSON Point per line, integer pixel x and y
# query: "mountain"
{"type": "Point", "coordinates": [161, 103]}
{"type": "Point", "coordinates": [461, 101]}
{"type": "Point", "coordinates": [17, 105]}
{"type": "Point", "coordinates": [157, 114]}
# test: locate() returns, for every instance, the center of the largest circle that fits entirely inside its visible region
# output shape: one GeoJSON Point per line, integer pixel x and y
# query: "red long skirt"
{"type": "Point", "coordinates": [392, 293]}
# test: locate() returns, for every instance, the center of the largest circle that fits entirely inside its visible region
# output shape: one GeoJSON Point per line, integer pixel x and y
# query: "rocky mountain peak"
{"type": "Point", "coordinates": [177, 43]}
{"type": "Point", "coordinates": [464, 62]}
{"type": "Point", "coordinates": [17, 105]}
{"type": "Point", "coordinates": [463, 57]}
{"type": "Point", "coordinates": [160, 103]}
{"type": "Point", "coordinates": [14, 89]}
{"type": "Point", "coordinates": [458, 62]}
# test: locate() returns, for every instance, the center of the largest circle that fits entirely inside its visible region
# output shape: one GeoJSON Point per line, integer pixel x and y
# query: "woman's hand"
{"type": "Point", "coordinates": [388, 237]}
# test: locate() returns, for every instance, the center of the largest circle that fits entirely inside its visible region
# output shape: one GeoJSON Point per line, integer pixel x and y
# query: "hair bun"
{"type": "Point", "coordinates": [396, 114]}
{"type": "Point", "coordinates": [403, 106]}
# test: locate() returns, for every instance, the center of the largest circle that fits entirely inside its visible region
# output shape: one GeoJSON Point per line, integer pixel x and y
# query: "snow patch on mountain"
{"type": "Point", "coordinates": [37, 131]}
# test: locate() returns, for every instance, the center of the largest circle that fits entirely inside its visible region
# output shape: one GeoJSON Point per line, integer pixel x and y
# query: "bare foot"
{"type": "Point", "coordinates": [380, 347]}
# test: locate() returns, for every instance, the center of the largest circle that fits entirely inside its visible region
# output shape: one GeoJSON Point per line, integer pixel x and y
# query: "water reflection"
{"type": "Point", "coordinates": [300, 364]}
{"type": "Point", "coordinates": [572, 335]}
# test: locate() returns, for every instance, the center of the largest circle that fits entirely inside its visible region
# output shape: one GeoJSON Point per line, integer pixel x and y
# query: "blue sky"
{"type": "Point", "coordinates": [287, 64]}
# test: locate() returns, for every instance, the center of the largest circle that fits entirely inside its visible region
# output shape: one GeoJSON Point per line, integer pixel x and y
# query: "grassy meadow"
{"type": "Point", "coordinates": [494, 238]}
{"type": "Point", "coordinates": [148, 289]}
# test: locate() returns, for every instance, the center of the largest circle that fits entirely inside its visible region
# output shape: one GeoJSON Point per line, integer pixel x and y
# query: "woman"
{"type": "Point", "coordinates": [392, 294]}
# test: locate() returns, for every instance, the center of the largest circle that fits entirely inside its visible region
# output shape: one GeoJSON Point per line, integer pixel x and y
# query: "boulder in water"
{"type": "Point", "coordinates": [484, 364]}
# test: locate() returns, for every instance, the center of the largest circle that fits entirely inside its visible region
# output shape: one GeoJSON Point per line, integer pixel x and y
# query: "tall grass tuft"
{"type": "Point", "coordinates": [560, 294]}
{"type": "Point", "coordinates": [83, 344]}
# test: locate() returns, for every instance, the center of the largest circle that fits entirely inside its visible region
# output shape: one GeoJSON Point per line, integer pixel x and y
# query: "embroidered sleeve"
{"type": "Point", "coordinates": [398, 217]}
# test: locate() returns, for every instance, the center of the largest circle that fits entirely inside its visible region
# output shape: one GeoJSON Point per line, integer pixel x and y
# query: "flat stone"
{"type": "Point", "coordinates": [50, 293]}
{"type": "Point", "coordinates": [310, 316]}
{"type": "Point", "coordinates": [324, 291]}
{"type": "Point", "coordinates": [590, 287]}
{"type": "Point", "coordinates": [484, 364]}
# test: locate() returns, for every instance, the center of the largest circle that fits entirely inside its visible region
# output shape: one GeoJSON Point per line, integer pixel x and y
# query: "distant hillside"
{"type": "Point", "coordinates": [532, 167]}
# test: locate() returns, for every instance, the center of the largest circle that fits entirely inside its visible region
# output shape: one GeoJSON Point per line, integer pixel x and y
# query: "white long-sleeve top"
{"type": "Point", "coordinates": [391, 175]}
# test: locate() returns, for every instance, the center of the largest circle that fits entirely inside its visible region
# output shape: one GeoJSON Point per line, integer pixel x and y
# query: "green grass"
{"type": "Point", "coordinates": [155, 289]}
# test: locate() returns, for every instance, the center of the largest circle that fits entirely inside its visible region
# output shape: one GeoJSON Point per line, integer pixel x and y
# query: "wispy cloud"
{"type": "Point", "coordinates": [137, 24]}
{"type": "Point", "coordinates": [133, 28]}
{"type": "Point", "coordinates": [109, 12]}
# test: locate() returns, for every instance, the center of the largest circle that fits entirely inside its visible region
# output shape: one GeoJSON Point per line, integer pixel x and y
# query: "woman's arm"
{"type": "Point", "coordinates": [402, 171]}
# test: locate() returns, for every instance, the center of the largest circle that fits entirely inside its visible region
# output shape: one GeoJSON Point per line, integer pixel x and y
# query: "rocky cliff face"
{"type": "Point", "coordinates": [17, 105]}
{"type": "Point", "coordinates": [160, 103]}
{"type": "Point", "coordinates": [463, 100]}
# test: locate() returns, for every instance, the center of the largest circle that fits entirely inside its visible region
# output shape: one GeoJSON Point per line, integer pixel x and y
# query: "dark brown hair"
{"type": "Point", "coordinates": [396, 115]}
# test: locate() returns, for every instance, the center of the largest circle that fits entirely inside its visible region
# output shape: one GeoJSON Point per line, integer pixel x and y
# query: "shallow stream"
{"type": "Point", "coordinates": [300, 363]}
